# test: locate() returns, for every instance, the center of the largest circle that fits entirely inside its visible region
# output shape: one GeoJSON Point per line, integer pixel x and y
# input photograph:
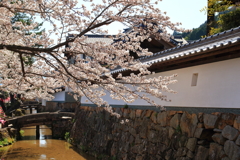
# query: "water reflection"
{"type": "Point", "coordinates": [43, 149]}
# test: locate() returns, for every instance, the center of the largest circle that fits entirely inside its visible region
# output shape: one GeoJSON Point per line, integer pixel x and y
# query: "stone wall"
{"type": "Point", "coordinates": [7, 136]}
{"type": "Point", "coordinates": [60, 128]}
{"type": "Point", "coordinates": [151, 135]}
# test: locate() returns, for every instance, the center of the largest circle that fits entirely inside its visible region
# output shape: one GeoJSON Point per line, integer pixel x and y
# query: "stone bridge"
{"type": "Point", "coordinates": [46, 118]}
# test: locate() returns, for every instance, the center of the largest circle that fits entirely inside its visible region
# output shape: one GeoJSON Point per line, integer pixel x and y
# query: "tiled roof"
{"type": "Point", "coordinates": [212, 42]}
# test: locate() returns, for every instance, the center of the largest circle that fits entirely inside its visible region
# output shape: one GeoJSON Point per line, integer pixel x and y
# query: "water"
{"type": "Point", "coordinates": [43, 149]}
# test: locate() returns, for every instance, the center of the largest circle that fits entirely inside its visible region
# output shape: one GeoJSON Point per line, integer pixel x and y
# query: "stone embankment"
{"type": "Point", "coordinates": [151, 135]}
{"type": "Point", "coordinates": [7, 136]}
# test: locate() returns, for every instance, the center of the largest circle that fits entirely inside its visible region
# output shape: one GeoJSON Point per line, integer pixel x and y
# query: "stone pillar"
{"type": "Point", "coordinates": [19, 136]}
{"type": "Point", "coordinates": [37, 132]}
{"type": "Point", "coordinates": [30, 109]}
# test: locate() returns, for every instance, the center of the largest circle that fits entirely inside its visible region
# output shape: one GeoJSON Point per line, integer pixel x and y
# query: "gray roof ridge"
{"type": "Point", "coordinates": [222, 39]}
{"type": "Point", "coordinates": [210, 39]}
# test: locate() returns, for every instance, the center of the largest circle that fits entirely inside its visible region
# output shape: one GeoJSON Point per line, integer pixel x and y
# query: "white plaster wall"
{"type": "Point", "coordinates": [44, 102]}
{"type": "Point", "coordinates": [218, 85]}
{"type": "Point", "coordinates": [59, 96]}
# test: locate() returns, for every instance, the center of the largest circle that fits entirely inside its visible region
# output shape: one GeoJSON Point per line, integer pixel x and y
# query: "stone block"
{"type": "Point", "coordinates": [162, 118]}
{"type": "Point", "coordinates": [203, 142]}
{"type": "Point", "coordinates": [200, 125]}
{"type": "Point", "coordinates": [137, 122]}
{"type": "Point", "coordinates": [218, 138]}
{"type": "Point", "coordinates": [137, 148]}
{"type": "Point", "coordinates": [183, 141]}
{"type": "Point", "coordinates": [238, 141]}
{"type": "Point", "coordinates": [200, 117]}
{"type": "Point", "coordinates": [171, 113]}
{"type": "Point", "coordinates": [152, 136]}
{"type": "Point", "coordinates": [230, 132]}
{"type": "Point", "coordinates": [188, 124]}
{"type": "Point", "coordinates": [190, 154]}
{"type": "Point", "coordinates": [148, 113]}
{"type": "Point", "coordinates": [171, 132]}
{"type": "Point", "coordinates": [152, 149]}
{"type": "Point", "coordinates": [132, 114]}
{"type": "Point", "coordinates": [114, 149]}
{"type": "Point", "coordinates": [175, 121]}
{"type": "Point", "coordinates": [191, 144]}
{"type": "Point", "coordinates": [198, 132]}
{"type": "Point", "coordinates": [236, 123]}
{"type": "Point", "coordinates": [182, 151]}
{"type": "Point", "coordinates": [132, 131]}
{"type": "Point", "coordinates": [226, 119]}
{"type": "Point", "coordinates": [169, 154]}
{"type": "Point", "coordinates": [201, 153]}
{"type": "Point", "coordinates": [217, 130]}
{"type": "Point", "coordinates": [232, 150]}
{"type": "Point", "coordinates": [144, 128]}
{"type": "Point", "coordinates": [126, 113]}
{"type": "Point", "coordinates": [143, 113]}
{"type": "Point", "coordinates": [215, 151]}
{"type": "Point", "coordinates": [137, 139]}
{"type": "Point", "coordinates": [154, 117]}
{"type": "Point", "coordinates": [180, 112]}
{"type": "Point", "coordinates": [139, 157]}
{"type": "Point", "coordinates": [139, 113]}
{"type": "Point", "coordinates": [210, 121]}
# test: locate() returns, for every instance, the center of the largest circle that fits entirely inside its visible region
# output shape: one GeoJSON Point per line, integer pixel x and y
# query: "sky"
{"type": "Point", "coordinates": [185, 11]}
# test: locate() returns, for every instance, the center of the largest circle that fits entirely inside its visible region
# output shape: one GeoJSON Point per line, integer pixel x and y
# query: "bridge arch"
{"type": "Point", "coordinates": [46, 118]}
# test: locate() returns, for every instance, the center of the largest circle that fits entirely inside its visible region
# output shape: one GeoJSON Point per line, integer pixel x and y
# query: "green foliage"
{"type": "Point", "coordinates": [26, 21]}
{"type": "Point", "coordinates": [84, 148]}
{"type": "Point", "coordinates": [73, 120]}
{"type": "Point", "coordinates": [21, 133]}
{"type": "Point", "coordinates": [67, 136]}
{"type": "Point", "coordinates": [196, 33]}
{"type": "Point", "coordinates": [216, 6]}
{"type": "Point", "coordinates": [178, 129]}
{"type": "Point", "coordinates": [125, 106]}
{"type": "Point", "coordinates": [114, 158]}
{"type": "Point", "coordinates": [18, 112]}
{"type": "Point", "coordinates": [102, 157]}
{"type": "Point", "coordinates": [230, 20]}
{"type": "Point", "coordinates": [7, 141]}
{"type": "Point", "coordinates": [226, 21]}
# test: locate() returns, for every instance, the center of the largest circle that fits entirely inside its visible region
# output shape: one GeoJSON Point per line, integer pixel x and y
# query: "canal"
{"type": "Point", "coordinates": [29, 148]}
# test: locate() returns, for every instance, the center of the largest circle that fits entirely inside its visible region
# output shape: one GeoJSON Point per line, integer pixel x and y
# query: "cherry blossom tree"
{"type": "Point", "coordinates": [52, 69]}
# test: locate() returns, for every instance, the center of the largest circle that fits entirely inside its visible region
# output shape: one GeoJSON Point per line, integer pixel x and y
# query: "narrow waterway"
{"type": "Point", "coordinates": [43, 149]}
